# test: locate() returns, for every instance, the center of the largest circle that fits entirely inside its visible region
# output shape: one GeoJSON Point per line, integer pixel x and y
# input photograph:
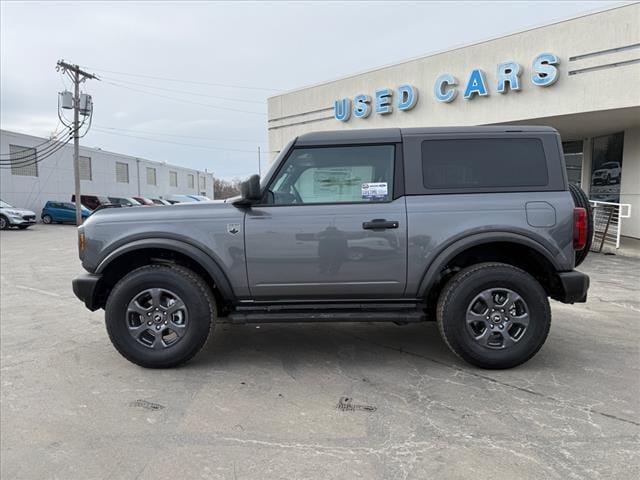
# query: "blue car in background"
{"type": "Point", "coordinates": [61, 212]}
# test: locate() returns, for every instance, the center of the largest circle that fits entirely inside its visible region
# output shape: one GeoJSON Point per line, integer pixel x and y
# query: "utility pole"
{"type": "Point", "coordinates": [77, 76]}
{"type": "Point", "coordinates": [259, 168]}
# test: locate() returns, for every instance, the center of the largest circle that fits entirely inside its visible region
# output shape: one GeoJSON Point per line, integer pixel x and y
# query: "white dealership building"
{"type": "Point", "coordinates": [581, 76]}
{"type": "Point", "coordinates": [47, 174]}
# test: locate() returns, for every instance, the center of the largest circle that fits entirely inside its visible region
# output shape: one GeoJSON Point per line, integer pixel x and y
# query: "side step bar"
{"type": "Point", "coordinates": [399, 313]}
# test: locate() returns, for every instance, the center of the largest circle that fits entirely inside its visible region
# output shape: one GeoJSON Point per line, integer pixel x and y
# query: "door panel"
{"type": "Point", "coordinates": [307, 251]}
{"type": "Point", "coordinates": [57, 214]}
{"type": "Point", "coordinates": [67, 214]}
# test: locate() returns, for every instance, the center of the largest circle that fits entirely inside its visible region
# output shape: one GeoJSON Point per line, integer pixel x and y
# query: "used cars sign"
{"type": "Point", "coordinates": [544, 72]}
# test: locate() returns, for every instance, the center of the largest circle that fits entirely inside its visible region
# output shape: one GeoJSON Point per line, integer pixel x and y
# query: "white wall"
{"type": "Point", "coordinates": [55, 176]}
{"type": "Point", "coordinates": [630, 184]}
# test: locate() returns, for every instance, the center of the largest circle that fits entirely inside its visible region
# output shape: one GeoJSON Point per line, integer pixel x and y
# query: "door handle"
{"type": "Point", "coordinates": [380, 224]}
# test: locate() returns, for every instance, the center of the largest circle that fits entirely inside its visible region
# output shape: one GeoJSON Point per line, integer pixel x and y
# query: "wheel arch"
{"type": "Point", "coordinates": [506, 247]}
{"type": "Point", "coordinates": [134, 254]}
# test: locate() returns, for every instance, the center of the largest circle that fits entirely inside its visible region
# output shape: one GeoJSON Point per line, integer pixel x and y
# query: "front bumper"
{"type": "Point", "coordinates": [573, 287]}
{"type": "Point", "coordinates": [85, 287]}
{"type": "Point", "coordinates": [22, 220]}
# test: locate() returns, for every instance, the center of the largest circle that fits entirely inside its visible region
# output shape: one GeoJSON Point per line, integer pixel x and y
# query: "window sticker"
{"type": "Point", "coordinates": [374, 191]}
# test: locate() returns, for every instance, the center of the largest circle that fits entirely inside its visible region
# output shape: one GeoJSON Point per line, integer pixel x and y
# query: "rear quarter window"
{"type": "Point", "coordinates": [483, 163]}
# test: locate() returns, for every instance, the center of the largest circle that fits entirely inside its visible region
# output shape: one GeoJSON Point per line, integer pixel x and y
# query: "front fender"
{"type": "Point", "coordinates": [195, 253]}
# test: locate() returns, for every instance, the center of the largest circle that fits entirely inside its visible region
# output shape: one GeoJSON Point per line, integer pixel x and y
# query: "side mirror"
{"type": "Point", "coordinates": [249, 191]}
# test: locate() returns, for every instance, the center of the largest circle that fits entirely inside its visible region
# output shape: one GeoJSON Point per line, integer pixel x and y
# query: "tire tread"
{"type": "Point", "coordinates": [206, 293]}
{"type": "Point", "coordinates": [449, 289]}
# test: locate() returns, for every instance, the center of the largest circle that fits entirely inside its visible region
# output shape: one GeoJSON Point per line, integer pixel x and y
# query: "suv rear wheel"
{"type": "Point", "coordinates": [159, 316]}
{"type": "Point", "coordinates": [494, 315]}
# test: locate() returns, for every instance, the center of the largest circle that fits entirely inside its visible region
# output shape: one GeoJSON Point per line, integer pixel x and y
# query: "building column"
{"type": "Point", "coordinates": [630, 182]}
{"type": "Point", "coordinates": [585, 181]}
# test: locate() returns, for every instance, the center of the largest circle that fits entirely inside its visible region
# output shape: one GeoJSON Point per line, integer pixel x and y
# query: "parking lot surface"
{"type": "Point", "coordinates": [310, 401]}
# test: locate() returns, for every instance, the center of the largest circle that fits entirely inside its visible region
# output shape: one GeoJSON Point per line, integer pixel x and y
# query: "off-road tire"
{"type": "Point", "coordinates": [190, 287]}
{"type": "Point", "coordinates": [460, 291]}
{"type": "Point", "coordinates": [581, 200]}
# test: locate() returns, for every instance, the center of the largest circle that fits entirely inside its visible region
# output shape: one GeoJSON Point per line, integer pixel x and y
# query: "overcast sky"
{"type": "Point", "coordinates": [251, 50]}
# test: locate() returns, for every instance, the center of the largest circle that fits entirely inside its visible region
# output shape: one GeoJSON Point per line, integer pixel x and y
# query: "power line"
{"type": "Point", "coordinates": [184, 81]}
{"type": "Point", "coordinates": [174, 90]}
{"type": "Point", "coordinates": [53, 138]}
{"type": "Point", "coordinates": [164, 134]}
{"type": "Point", "coordinates": [98, 129]}
{"type": "Point", "coordinates": [37, 160]}
{"type": "Point", "coordinates": [182, 100]}
{"type": "Point", "coordinates": [34, 154]}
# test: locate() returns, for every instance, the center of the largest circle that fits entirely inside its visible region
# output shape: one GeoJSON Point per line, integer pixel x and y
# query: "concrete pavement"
{"type": "Point", "coordinates": [309, 401]}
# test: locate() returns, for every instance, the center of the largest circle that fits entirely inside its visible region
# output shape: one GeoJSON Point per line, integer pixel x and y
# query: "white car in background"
{"type": "Point", "coordinates": [15, 217]}
{"type": "Point", "coordinates": [181, 199]}
{"type": "Point", "coordinates": [608, 173]}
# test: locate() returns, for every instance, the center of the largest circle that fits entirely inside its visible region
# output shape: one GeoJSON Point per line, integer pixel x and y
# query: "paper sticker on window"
{"type": "Point", "coordinates": [374, 191]}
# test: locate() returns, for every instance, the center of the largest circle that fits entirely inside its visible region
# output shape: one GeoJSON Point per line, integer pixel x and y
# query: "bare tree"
{"type": "Point", "coordinates": [225, 188]}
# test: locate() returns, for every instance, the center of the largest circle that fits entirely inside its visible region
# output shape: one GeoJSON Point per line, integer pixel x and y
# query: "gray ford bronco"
{"type": "Point", "coordinates": [474, 228]}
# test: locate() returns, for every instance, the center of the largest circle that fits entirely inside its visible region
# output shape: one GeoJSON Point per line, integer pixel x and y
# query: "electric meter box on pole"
{"type": "Point", "coordinates": [86, 104]}
{"type": "Point", "coordinates": [66, 100]}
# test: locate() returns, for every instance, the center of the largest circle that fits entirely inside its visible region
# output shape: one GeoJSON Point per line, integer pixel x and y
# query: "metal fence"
{"type": "Point", "coordinates": [607, 220]}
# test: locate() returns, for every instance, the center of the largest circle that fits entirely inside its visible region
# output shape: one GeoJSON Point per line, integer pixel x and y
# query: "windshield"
{"type": "Point", "coordinates": [4, 205]}
{"type": "Point", "coordinates": [274, 165]}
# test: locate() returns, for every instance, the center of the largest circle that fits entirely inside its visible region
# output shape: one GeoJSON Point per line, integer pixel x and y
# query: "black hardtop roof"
{"type": "Point", "coordinates": [394, 135]}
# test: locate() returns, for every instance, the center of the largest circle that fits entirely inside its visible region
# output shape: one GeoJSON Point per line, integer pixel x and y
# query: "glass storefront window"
{"type": "Point", "coordinates": [606, 168]}
{"type": "Point", "coordinates": [573, 161]}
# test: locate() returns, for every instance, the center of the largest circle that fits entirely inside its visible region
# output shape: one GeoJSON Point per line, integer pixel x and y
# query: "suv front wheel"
{"type": "Point", "coordinates": [159, 316]}
{"type": "Point", "coordinates": [494, 315]}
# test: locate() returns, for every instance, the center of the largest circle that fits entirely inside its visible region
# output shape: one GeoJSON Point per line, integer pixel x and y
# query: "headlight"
{"type": "Point", "coordinates": [13, 213]}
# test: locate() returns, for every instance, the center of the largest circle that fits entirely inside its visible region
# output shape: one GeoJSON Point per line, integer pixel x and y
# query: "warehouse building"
{"type": "Point", "coordinates": [581, 76]}
{"type": "Point", "coordinates": [27, 184]}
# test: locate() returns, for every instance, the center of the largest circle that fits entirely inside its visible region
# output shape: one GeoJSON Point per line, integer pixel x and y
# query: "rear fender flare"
{"type": "Point", "coordinates": [432, 273]}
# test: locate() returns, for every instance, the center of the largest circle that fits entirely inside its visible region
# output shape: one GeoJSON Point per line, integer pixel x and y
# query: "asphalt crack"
{"type": "Point", "coordinates": [497, 382]}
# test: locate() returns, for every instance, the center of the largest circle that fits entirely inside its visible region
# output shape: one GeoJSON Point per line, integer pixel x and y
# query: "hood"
{"type": "Point", "coordinates": [18, 211]}
{"type": "Point", "coordinates": [178, 211]}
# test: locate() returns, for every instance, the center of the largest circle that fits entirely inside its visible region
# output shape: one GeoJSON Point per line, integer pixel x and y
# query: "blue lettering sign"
{"type": "Point", "coordinates": [476, 84]}
{"type": "Point", "coordinates": [508, 73]}
{"type": "Point", "coordinates": [342, 109]}
{"type": "Point", "coordinates": [544, 72]}
{"type": "Point", "coordinates": [383, 101]}
{"type": "Point", "coordinates": [361, 107]}
{"type": "Point", "coordinates": [407, 97]}
{"type": "Point", "coordinates": [439, 91]}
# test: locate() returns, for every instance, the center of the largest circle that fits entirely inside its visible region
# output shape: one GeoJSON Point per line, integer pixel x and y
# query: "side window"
{"type": "Point", "coordinates": [477, 163]}
{"type": "Point", "coordinates": [359, 174]}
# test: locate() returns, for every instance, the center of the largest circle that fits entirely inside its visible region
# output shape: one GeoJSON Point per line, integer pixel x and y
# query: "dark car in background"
{"type": "Point", "coordinates": [62, 212]}
{"type": "Point", "coordinates": [91, 201]}
{"type": "Point", "coordinates": [160, 201]}
{"type": "Point", "coordinates": [124, 201]}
